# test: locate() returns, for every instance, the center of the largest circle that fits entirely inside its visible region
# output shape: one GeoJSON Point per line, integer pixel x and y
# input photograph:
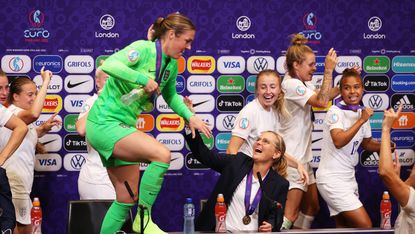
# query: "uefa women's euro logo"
{"type": "Point", "coordinates": [36, 18]}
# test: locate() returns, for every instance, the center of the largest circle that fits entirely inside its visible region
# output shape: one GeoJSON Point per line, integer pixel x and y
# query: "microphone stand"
{"type": "Point", "coordinates": [140, 207]}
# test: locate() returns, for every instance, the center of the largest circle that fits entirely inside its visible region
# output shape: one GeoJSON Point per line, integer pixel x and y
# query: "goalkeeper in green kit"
{"type": "Point", "coordinates": [149, 67]}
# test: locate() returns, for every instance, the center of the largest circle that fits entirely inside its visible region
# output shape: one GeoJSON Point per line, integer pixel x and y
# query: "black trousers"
{"type": "Point", "coordinates": [7, 213]}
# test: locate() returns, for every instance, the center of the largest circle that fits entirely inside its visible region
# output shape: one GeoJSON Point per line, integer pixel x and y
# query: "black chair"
{"type": "Point", "coordinates": [85, 217]}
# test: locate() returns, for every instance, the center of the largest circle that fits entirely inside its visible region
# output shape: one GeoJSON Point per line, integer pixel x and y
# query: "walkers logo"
{"type": "Point", "coordinates": [406, 156]}
{"type": "Point", "coordinates": [201, 84]}
{"type": "Point", "coordinates": [52, 104]}
{"type": "Point", "coordinates": [107, 22]}
{"type": "Point", "coordinates": [16, 63]}
{"type": "Point", "coordinates": [54, 63]}
{"type": "Point", "coordinates": [180, 84]}
{"type": "Point", "coordinates": [203, 103]}
{"type": "Point", "coordinates": [193, 164]}
{"type": "Point", "coordinates": [316, 159]}
{"type": "Point", "coordinates": [231, 84]}
{"type": "Point", "coordinates": [407, 101]}
{"type": "Point", "coordinates": [69, 122]}
{"type": "Point", "coordinates": [173, 141]}
{"type": "Point", "coordinates": [36, 32]}
{"type": "Point", "coordinates": [222, 140]}
{"type": "Point", "coordinates": [55, 84]}
{"type": "Point", "coordinates": [369, 159]}
{"type": "Point", "coordinates": [74, 143]}
{"type": "Point", "coordinates": [344, 62]}
{"type": "Point", "coordinates": [376, 83]}
{"type": "Point", "coordinates": [79, 84]}
{"type": "Point", "coordinates": [145, 123]}
{"type": "Point", "coordinates": [376, 64]}
{"type": "Point", "coordinates": [376, 101]}
{"type": "Point", "coordinates": [201, 64]}
{"type": "Point", "coordinates": [48, 162]}
{"type": "Point", "coordinates": [79, 64]}
{"type": "Point", "coordinates": [256, 64]}
{"type": "Point", "coordinates": [231, 64]}
{"type": "Point", "coordinates": [74, 162]}
{"type": "Point", "coordinates": [250, 83]}
{"type": "Point", "coordinates": [74, 103]}
{"type": "Point", "coordinates": [376, 120]}
{"type": "Point", "coordinates": [230, 103]}
{"type": "Point", "coordinates": [403, 138]}
{"type": "Point", "coordinates": [51, 142]}
{"type": "Point", "coordinates": [225, 122]}
{"type": "Point", "coordinates": [44, 117]}
{"type": "Point", "coordinates": [403, 83]}
{"type": "Point", "coordinates": [281, 65]}
{"type": "Point", "coordinates": [316, 140]}
{"type": "Point", "coordinates": [403, 64]}
{"type": "Point", "coordinates": [181, 65]}
{"type": "Point", "coordinates": [374, 24]}
{"type": "Point", "coordinates": [310, 24]}
{"type": "Point", "coordinates": [169, 123]}
{"type": "Point", "coordinates": [406, 120]}
{"type": "Point", "coordinates": [243, 23]}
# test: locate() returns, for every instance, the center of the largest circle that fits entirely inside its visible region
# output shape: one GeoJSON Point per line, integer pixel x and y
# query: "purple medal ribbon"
{"type": "Point", "coordinates": [349, 107]}
{"type": "Point", "coordinates": [249, 209]}
{"type": "Point", "coordinates": [158, 61]}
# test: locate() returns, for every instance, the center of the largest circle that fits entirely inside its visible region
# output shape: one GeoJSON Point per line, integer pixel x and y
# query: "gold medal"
{"type": "Point", "coordinates": [246, 219]}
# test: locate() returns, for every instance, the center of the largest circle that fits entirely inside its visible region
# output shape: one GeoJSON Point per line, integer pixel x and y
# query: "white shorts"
{"type": "Point", "coordinates": [340, 196]}
{"type": "Point", "coordinates": [89, 191]}
{"type": "Point", "coordinates": [294, 178]}
{"type": "Point", "coordinates": [23, 206]}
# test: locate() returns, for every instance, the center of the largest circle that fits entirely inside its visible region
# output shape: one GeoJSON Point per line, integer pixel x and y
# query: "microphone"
{"type": "Point", "coordinates": [274, 203]}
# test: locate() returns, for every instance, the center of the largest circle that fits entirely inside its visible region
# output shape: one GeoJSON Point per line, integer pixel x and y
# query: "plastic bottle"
{"type": "Point", "coordinates": [220, 214]}
{"type": "Point", "coordinates": [385, 211]}
{"type": "Point", "coordinates": [36, 215]}
{"type": "Point", "coordinates": [135, 95]}
{"type": "Point", "coordinates": [189, 217]}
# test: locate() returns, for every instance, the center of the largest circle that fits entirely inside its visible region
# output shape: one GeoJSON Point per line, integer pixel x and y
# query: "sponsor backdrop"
{"type": "Point", "coordinates": [235, 40]}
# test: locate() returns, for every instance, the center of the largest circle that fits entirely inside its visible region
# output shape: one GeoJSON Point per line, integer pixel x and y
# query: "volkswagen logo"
{"type": "Point", "coordinates": [375, 101]}
{"type": "Point", "coordinates": [260, 64]}
{"type": "Point", "coordinates": [77, 161]}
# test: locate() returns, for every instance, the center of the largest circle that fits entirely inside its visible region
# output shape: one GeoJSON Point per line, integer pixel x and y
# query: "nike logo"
{"type": "Point", "coordinates": [200, 103]}
{"type": "Point", "coordinates": [173, 159]}
{"type": "Point", "coordinates": [73, 85]}
{"type": "Point", "coordinates": [47, 142]}
{"type": "Point", "coordinates": [313, 141]}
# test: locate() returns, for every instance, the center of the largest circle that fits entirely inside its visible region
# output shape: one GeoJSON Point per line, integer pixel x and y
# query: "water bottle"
{"type": "Point", "coordinates": [189, 217]}
{"type": "Point", "coordinates": [36, 216]}
{"type": "Point", "coordinates": [220, 214]}
{"type": "Point", "coordinates": [385, 211]}
{"type": "Point", "coordinates": [135, 95]}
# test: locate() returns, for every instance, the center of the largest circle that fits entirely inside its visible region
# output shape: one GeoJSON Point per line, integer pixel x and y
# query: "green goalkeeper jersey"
{"type": "Point", "coordinates": [131, 68]}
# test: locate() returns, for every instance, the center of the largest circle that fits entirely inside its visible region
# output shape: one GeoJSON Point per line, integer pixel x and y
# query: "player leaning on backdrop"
{"type": "Point", "coordinates": [26, 103]}
{"type": "Point", "coordinates": [300, 95]}
{"type": "Point", "coordinates": [110, 127]}
{"type": "Point", "coordinates": [19, 130]}
{"type": "Point", "coordinates": [248, 209]}
{"type": "Point", "coordinates": [389, 171]}
{"type": "Point", "coordinates": [262, 114]}
{"type": "Point", "coordinates": [93, 180]}
{"type": "Point", "coordinates": [345, 128]}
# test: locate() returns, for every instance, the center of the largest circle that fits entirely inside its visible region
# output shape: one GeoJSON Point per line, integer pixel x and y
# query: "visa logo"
{"type": "Point", "coordinates": [77, 103]}
{"type": "Point", "coordinates": [47, 162]}
{"type": "Point", "coordinates": [231, 64]}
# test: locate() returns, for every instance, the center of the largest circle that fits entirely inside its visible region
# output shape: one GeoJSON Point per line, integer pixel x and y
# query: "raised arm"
{"type": "Point", "coordinates": [234, 145]}
{"type": "Point", "coordinates": [393, 182]}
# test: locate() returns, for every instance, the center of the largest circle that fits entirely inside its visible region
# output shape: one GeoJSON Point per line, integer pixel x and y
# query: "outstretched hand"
{"type": "Point", "coordinates": [390, 116]}
{"type": "Point", "coordinates": [195, 122]}
{"type": "Point", "coordinates": [331, 60]}
{"type": "Point", "coordinates": [304, 179]}
{"type": "Point", "coordinates": [45, 74]}
{"type": "Point", "coordinates": [51, 122]}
